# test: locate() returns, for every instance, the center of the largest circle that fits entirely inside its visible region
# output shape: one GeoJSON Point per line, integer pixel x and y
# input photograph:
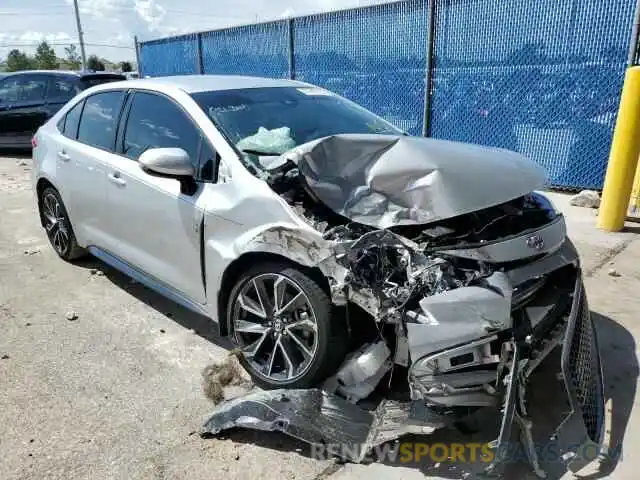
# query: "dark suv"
{"type": "Point", "coordinates": [29, 99]}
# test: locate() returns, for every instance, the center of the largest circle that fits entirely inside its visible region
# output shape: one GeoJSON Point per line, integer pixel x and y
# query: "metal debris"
{"type": "Point", "coordinates": [613, 273]}
{"type": "Point", "coordinates": [31, 251]}
{"type": "Point", "coordinates": [71, 316]}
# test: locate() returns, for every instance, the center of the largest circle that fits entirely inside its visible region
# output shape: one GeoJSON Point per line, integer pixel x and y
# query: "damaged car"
{"type": "Point", "coordinates": [374, 283]}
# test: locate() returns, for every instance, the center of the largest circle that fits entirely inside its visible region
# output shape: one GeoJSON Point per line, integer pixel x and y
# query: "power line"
{"type": "Point", "coordinates": [63, 44]}
{"type": "Point", "coordinates": [120, 8]}
{"type": "Point", "coordinates": [110, 46]}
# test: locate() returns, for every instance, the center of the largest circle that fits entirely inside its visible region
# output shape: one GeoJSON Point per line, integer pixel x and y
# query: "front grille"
{"type": "Point", "coordinates": [584, 370]}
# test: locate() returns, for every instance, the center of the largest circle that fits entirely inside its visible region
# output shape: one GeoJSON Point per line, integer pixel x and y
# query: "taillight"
{"type": "Point", "coordinates": [34, 142]}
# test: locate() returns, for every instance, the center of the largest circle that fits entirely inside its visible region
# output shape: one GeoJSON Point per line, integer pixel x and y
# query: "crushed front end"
{"type": "Point", "coordinates": [463, 304]}
{"type": "Point", "coordinates": [548, 310]}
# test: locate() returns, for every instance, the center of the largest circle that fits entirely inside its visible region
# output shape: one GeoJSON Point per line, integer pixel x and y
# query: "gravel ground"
{"type": "Point", "coordinates": [102, 378]}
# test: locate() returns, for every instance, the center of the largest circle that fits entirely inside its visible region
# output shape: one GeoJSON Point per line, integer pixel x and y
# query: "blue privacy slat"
{"type": "Point", "coordinates": [542, 78]}
{"type": "Point", "coordinates": [258, 50]}
{"type": "Point", "coordinates": [374, 56]}
{"type": "Point", "coordinates": [172, 56]}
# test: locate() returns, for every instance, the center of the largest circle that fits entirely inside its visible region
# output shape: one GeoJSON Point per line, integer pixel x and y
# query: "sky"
{"type": "Point", "coordinates": [110, 25]}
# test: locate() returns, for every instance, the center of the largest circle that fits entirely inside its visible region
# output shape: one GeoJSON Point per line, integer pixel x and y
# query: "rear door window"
{"type": "Point", "coordinates": [99, 119]}
{"type": "Point", "coordinates": [9, 90]}
{"type": "Point", "coordinates": [32, 88]}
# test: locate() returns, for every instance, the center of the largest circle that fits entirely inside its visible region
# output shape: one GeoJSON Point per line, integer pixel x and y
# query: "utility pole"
{"type": "Point", "coordinates": [80, 35]}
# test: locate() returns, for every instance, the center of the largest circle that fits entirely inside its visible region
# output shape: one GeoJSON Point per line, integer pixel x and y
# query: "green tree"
{"type": "Point", "coordinates": [18, 60]}
{"type": "Point", "coordinates": [46, 57]}
{"type": "Point", "coordinates": [95, 64]}
{"type": "Point", "coordinates": [73, 57]}
{"type": "Point", "coordinates": [126, 66]}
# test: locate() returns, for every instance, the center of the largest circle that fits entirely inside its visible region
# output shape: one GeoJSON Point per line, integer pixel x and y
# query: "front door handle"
{"type": "Point", "coordinates": [62, 155]}
{"type": "Point", "coordinates": [115, 179]}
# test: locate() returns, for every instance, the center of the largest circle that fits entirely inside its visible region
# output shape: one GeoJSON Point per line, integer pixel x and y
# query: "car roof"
{"type": "Point", "coordinates": [207, 83]}
{"type": "Point", "coordinates": [72, 73]}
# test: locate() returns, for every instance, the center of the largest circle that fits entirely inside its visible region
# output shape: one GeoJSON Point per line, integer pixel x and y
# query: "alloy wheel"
{"type": "Point", "coordinates": [56, 223]}
{"type": "Point", "coordinates": [275, 327]}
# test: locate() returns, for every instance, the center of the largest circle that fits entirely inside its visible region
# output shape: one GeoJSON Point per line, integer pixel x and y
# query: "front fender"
{"type": "Point", "coordinates": [301, 245]}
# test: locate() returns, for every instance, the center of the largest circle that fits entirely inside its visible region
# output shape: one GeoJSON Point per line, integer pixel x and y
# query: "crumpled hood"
{"type": "Point", "coordinates": [386, 180]}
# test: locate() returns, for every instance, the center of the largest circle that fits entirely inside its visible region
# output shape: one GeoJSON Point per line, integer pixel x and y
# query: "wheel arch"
{"type": "Point", "coordinates": [247, 260]}
{"type": "Point", "coordinates": [42, 184]}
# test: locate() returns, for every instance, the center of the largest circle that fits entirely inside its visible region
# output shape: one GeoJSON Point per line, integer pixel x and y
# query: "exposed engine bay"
{"type": "Point", "coordinates": [465, 289]}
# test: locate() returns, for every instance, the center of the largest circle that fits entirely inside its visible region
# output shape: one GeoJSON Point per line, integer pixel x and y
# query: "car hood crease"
{"type": "Point", "coordinates": [387, 180]}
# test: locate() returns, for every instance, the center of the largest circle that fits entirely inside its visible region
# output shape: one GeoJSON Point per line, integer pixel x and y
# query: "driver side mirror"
{"type": "Point", "coordinates": [170, 163]}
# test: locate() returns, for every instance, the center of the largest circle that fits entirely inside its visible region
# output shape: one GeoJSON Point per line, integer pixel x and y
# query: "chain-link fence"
{"type": "Point", "coordinates": [542, 78]}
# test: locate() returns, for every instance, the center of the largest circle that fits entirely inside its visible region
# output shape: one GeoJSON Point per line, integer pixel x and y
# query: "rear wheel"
{"type": "Point", "coordinates": [281, 320]}
{"type": "Point", "coordinates": [58, 227]}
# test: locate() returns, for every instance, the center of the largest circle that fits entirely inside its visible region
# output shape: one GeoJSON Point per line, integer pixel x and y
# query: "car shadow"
{"type": "Point", "coordinates": [620, 370]}
{"type": "Point", "coordinates": [201, 325]}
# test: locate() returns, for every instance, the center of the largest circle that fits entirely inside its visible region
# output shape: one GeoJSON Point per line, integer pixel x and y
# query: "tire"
{"type": "Point", "coordinates": [58, 226]}
{"type": "Point", "coordinates": [325, 348]}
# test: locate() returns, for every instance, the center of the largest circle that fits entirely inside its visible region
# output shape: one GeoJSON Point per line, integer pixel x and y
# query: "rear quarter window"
{"type": "Point", "coordinates": [68, 125]}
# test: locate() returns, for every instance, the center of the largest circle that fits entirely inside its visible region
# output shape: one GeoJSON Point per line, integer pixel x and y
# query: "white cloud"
{"type": "Point", "coordinates": [33, 37]}
{"type": "Point", "coordinates": [288, 13]}
{"type": "Point", "coordinates": [151, 12]}
{"type": "Point", "coordinates": [100, 8]}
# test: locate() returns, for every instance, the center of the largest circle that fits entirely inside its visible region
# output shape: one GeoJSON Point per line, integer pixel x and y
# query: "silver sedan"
{"type": "Point", "coordinates": [332, 248]}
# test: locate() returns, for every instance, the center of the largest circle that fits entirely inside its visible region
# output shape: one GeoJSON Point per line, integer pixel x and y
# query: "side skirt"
{"type": "Point", "coordinates": [148, 281]}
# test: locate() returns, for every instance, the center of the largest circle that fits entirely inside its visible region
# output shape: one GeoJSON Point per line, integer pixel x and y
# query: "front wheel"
{"type": "Point", "coordinates": [281, 320]}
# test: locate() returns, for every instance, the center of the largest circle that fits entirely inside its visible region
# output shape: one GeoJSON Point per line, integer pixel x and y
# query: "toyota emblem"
{"type": "Point", "coordinates": [536, 242]}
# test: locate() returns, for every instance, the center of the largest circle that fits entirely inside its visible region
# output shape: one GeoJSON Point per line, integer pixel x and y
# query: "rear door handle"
{"type": "Point", "coordinates": [62, 155]}
{"type": "Point", "coordinates": [115, 179]}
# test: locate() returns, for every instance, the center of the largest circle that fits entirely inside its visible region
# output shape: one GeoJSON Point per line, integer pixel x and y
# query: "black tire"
{"type": "Point", "coordinates": [70, 250]}
{"type": "Point", "coordinates": [331, 332]}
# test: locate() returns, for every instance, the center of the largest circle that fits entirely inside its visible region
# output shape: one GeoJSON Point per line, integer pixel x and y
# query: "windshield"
{"type": "Point", "coordinates": [270, 121]}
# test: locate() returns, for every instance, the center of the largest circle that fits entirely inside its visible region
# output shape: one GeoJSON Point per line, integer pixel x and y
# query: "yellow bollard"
{"type": "Point", "coordinates": [623, 158]}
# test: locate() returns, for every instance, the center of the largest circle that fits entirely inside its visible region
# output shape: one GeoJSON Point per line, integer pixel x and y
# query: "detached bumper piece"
{"type": "Point", "coordinates": [582, 372]}
{"type": "Point", "coordinates": [583, 427]}
{"type": "Point", "coordinates": [325, 420]}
